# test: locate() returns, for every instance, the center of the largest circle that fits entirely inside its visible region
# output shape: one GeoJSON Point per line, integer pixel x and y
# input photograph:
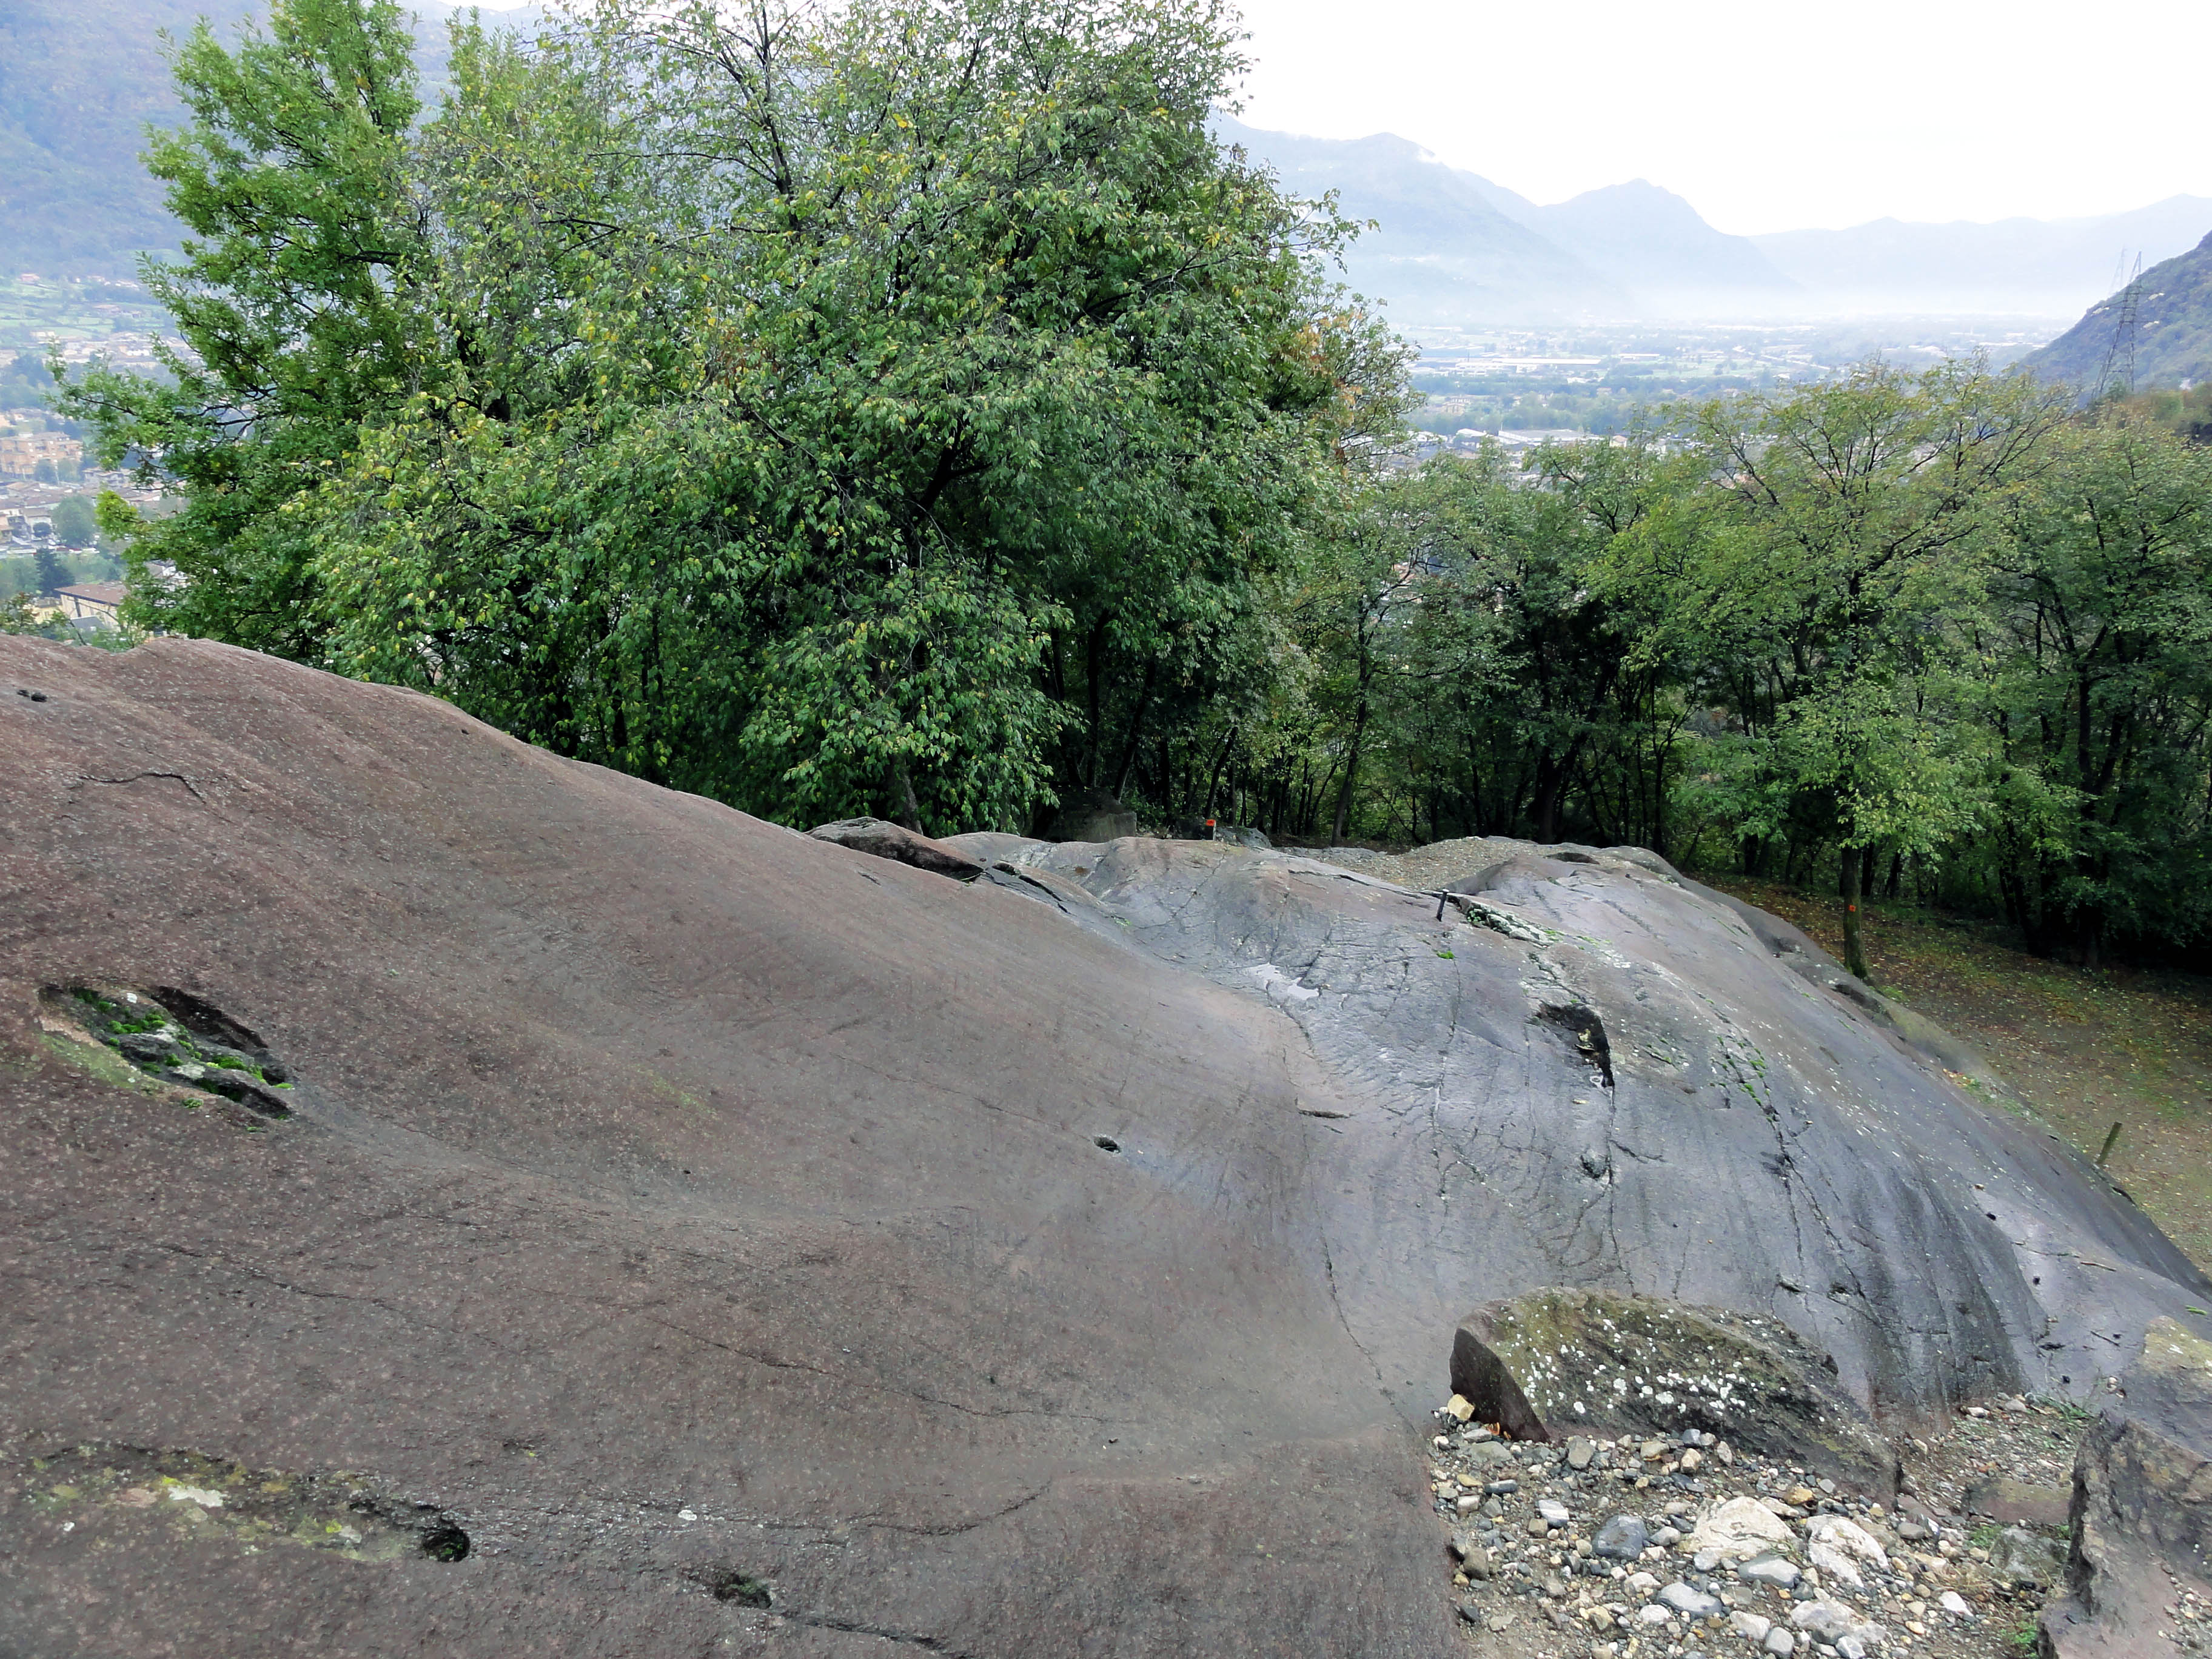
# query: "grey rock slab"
{"type": "Point", "coordinates": [1723, 1058]}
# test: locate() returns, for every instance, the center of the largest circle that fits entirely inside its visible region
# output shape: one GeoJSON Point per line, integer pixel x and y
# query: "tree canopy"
{"type": "Point", "coordinates": [914, 410]}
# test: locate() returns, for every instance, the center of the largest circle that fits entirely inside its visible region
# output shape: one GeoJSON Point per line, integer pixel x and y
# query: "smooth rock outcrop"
{"type": "Point", "coordinates": [687, 1235]}
{"type": "Point", "coordinates": [1603, 1076]}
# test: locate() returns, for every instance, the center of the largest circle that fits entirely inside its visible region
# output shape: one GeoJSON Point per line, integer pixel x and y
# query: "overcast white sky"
{"type": "Point", "coordinates": [1766, 117]}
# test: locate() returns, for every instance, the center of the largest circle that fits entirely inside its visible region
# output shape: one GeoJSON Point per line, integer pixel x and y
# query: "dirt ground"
{"type": "Point", "coordinates": [1947, 1584]}
{"type": "Point", "coordinates": [2085, 1047]}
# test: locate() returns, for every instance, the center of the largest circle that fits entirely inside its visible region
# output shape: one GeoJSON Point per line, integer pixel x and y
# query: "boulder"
{"type": "Point", "coordinates": [1833, 1621]}
{"type": "Point", "coordinates": [1770, 1568]}
{"type": "Point", "coordinates": [880, 838]}
{"type": "Point", "coordinates": [2021, 1557]}
{"type": "Point", "coordinates": [1690, 1601]}
{"type": "Point", "coordinates": [1554, 1360]}
{"type": "Point", "coordinates": [2142, 1511]}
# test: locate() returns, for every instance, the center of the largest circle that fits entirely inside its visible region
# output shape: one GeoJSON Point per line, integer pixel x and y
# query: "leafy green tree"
{"type": "Point", "coordinates": [297, 302]}
{"type": "Point", "coordinates": [53, 571]}
{"type": "Point", "coordinates": [1843, 561]}
{"type": "Point", "coordinates": [849, 398]}
{"type": "Point", "coordinates": [74, 521]}
{"type": "Point", "coordinates": [2104, 699]}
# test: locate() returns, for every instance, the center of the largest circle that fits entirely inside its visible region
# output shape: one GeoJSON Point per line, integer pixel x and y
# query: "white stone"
{"type": "Point", "coordinates": [1836, 1546]}
{"type": "Point", "coordinates": [1738, 1529]}
{"type": "Point", "coordinates": [199, 1495]}
{"type": "Point", "coordinates": [1952, 1601]}
{"type": "Point", "coordinates": [1780, 1643]}
{"type": "Point", "coordinates": [1654, 1614]}
{"type": "Point", "coordinates": [1832, 1621]}
{"type": "Point", "coordinates": [1752, 1627]}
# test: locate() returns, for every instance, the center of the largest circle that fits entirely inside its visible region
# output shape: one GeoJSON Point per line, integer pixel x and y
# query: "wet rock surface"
{"type": "Point", "coordinates": [752, 1244]}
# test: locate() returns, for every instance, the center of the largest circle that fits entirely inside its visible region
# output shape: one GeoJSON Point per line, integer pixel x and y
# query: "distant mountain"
{"type": "Point", "coordinates": [2046, 267]}
{"type": "Point", "coordinates": [1444, 253]}
{"type": "Point", "coordinates": [2168, 342]}
{"type": "Point", "coordinates": [79, 82]}
{"type": "Point", "coordinates": [1454, 247]}
{"type": "Point", "coordinates": [1652, 242]}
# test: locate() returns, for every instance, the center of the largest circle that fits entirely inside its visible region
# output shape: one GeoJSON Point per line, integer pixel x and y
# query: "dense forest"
{"type": "Point", "coordinates": [911, 410]}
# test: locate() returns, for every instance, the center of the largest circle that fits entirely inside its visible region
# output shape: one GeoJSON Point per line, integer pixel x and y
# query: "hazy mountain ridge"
{"type": "Point", "coordinates": [80, 80]}
{"type": "Point", "coordinates": [1444, 256]}
{"type": "Point", "coordinates": [2169, 342]}
{"type": "Point", "coordinates": [2050, 266]}
{"type": "Point", "coordinates": [1454, 247]}
{"type": "Point", "coordinates": [1442, 249]}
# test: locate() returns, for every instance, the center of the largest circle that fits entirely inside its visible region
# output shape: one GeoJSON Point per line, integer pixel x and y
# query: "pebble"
{"type": "Point", "coordinates": [1952, 1601]}
{"type": "Point", "coordinates": [1779, 1642]}
{"type": "Point", "coordinates": [1774, 1569]}
{"type": "Point", "coordinates": [1580, 1452]}
{"type": "Point", "coordinates": [1690, 1602]}
{"type": "Point", "coordinates": [1621, 1538]}
{"type": "Point", "coordinates": [1554, 1511]}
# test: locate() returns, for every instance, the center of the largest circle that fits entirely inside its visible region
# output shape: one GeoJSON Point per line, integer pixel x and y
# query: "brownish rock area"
{"type": "Point", "coordinates": [460, 1200]}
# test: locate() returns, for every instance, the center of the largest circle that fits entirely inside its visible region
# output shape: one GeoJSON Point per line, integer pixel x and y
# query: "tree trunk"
{"type": "Point", "coordinates": [1351, 776]}
{"type": "Point", "coordinates": [1853, 878]}
{"type": "Point", "coordinates": [1213, 782]}
{"type": "Point", "coordinates": [902, 798]}
{"type": "Point", "coordinates": [1136, 732]}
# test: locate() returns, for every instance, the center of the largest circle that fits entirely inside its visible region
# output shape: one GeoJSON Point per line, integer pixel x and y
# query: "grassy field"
{"type": "Point", "coordinates": [2085, 1049]}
